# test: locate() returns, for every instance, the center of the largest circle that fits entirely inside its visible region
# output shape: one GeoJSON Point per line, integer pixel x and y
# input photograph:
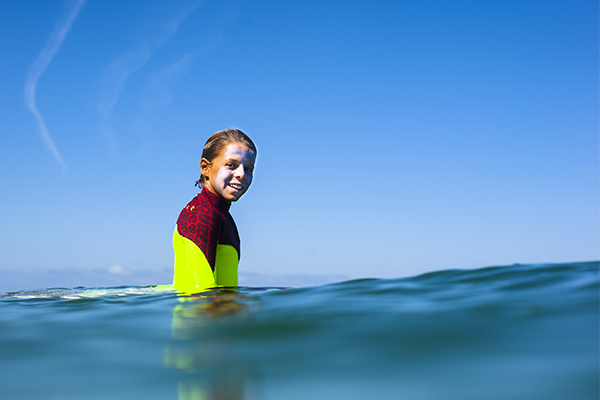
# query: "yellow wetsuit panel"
{"type": "Point", "coordinates": [226, 266]}
{"type": "Point", "coordinates": [192, 271]}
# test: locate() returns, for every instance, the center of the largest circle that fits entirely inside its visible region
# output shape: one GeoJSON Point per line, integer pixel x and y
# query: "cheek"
{"type": "Point", "coordinates": [223, 175]}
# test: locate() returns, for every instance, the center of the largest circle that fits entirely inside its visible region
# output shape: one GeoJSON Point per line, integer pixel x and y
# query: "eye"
{"type": "Point", "coordinates": [249, 169]}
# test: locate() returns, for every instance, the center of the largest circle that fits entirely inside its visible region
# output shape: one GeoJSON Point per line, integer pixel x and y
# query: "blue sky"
{"type": "Point", "coordinates": [394, 137]}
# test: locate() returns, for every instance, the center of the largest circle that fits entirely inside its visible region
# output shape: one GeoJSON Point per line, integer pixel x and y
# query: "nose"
{"type": "Point", "coordinates": [240, 172]}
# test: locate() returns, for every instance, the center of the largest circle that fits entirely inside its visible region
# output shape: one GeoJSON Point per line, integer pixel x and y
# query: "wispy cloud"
{"type": "Point", "coordinates": [39, 66]}
{"type": "Point", "coordinates": [115, 75]}
{"type": "Point", "coordinates": [157, 91]}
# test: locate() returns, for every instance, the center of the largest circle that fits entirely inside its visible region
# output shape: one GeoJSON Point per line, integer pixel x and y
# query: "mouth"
{"type": "Point", "coordinates": [235, 186]}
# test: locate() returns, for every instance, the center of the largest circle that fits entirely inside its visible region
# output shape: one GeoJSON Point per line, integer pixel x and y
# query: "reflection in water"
{"type": "Point", "coordinates": [212, 370]}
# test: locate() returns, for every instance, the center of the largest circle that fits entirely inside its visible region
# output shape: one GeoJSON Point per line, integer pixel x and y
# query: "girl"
{"type": "Point", "coordinates": [206, 241]}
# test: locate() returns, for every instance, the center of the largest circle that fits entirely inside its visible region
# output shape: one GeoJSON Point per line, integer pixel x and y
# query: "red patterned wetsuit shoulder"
{"type": "Point", "coordinates": [206, 222]}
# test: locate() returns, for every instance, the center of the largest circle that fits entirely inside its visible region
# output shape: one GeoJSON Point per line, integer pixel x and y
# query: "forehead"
{"type": "Point", "coordinates": [238, 151]}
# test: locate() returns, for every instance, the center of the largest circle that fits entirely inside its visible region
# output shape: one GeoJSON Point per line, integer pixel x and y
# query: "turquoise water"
{"type": "Point", "coordinates": [514, 332]}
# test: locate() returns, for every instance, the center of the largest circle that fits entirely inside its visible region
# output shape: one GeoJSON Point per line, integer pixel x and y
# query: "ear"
{"type": "Point", "coordinates": [204, 166]}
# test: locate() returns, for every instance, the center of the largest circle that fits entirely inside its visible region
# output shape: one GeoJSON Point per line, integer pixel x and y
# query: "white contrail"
{"type": "Point", "coordinates": [117, 73]}
{"type": "Point", "coordinates": [39, 66]}
{"type": "Point", "coordinates": [156, 92]}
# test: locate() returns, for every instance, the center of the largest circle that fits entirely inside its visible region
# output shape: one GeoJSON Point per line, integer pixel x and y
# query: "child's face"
{"type": "Point", "coordinates": [230, 174]}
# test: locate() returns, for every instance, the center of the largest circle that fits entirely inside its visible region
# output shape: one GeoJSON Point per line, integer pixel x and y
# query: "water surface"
{"type": "Point", "coordinates": [514, 332]}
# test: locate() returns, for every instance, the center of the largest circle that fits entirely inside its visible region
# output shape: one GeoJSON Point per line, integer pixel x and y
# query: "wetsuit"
{"type": "Point", "coordinates": [206, 245]}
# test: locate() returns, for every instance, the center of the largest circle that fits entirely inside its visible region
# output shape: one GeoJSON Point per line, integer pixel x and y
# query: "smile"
{"type": "Point", "coordinates": [235, 186]}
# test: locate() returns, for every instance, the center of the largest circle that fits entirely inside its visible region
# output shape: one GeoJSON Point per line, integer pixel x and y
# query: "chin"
{"type": "Point", "coordinates": [231, 199]}
{"type": "Point", "coordinates": [234, 197]}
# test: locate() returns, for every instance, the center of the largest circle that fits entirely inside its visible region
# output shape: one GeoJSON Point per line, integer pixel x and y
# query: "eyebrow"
{"type": "Point", "coordinates": [232, 158]}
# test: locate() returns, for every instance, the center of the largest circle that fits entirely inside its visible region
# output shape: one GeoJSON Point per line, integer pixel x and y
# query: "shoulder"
{"type": "Point", "coordinates": [200, 210]}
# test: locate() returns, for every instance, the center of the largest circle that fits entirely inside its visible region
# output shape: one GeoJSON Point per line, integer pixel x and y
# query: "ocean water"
{"type": "Point", "coordinates": [513, 332]}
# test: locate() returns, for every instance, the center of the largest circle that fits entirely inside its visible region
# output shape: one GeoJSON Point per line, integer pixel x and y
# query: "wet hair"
{"type": "Point", "coordinates": [218, 141]}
